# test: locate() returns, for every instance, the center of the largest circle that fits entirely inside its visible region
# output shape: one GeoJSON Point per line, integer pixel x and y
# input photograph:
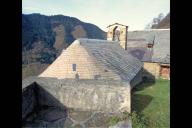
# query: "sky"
{"type": "Point", "coordinates": [134, 13]}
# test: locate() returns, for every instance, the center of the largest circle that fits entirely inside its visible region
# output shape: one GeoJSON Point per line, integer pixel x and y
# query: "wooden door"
{"type": "Point", "coordinates": [165, 72]}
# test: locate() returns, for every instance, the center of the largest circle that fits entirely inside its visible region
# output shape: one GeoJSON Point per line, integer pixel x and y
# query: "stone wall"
{"type": "Point", "coordinates": [90, 96]}
{"type": "Point", "coordinates": [73, 103]}
{"type": "Point", "coordinates": [86, 95]}
{"type": "Point", "coordinates": [156, 70]}
{"type": "Point", "coordinates": [28, 100]}
{"type": "Point", "coordinates": [151, 69]}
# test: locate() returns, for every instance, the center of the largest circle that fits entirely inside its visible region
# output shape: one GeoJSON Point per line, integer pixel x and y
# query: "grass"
{"type": "Point", "coordinates": [151, 101]}
{"type": "Point", "coordinates": [150, 106]}
{"type": "Point", "coordinates": [115, 119]}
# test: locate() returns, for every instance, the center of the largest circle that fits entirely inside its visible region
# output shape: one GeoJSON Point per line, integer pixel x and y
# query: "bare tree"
{"type": "Point", "coordinates": [161, 16]}
{"type": "Point", "coordinates": [155, 21]}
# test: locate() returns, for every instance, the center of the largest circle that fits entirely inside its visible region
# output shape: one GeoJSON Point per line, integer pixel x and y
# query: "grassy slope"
{"type": "Point", "coordinates": [152, 101]}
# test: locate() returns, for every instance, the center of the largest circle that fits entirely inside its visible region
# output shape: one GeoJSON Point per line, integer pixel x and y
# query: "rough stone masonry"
{"type": "Point", "coordinates": [90, 96]}
{"type": "Point", "coordinates": [96, 95]}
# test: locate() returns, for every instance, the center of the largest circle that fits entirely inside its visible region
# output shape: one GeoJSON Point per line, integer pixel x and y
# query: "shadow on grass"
{"type": "Point", "coordinates": [140, 102]}
{"type": "Point", "coordinates": [147, 80]}
{"type": "Point", "coordinates": [148, 76]}
{"type": "Point", "coordinates": [143, 85]}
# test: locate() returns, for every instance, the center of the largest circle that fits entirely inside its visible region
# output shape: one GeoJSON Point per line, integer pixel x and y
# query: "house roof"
{"type": "Point", "coordinates": [161, 48]}
{"type": "Point", "coordinates": [116, 24]}
{"type": "Point", "coordinates": [113, 57]}
{"type": "Point", "coordinates": [142, 53]}
{"type": "Point", "coordinates": [137, 42]}
{"type": "Point", "coordinates": [108, 57]}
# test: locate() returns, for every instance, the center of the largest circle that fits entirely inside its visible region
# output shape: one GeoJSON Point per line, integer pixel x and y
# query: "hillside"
{"type": "Point", "coordinates": [164, 23]}
{"type": "Point", "coordinates": [43, 38]}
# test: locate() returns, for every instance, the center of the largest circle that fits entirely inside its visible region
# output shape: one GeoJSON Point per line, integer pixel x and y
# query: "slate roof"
{"type": "Point", "coordinates": [113, 57]}
{"type": "Point", "coordinates": [137, 45]}
{"type": "Point", "coordinates": [137, 42]}
{"type": "Point", "coordinates": [116, 24]}
{"type": "Point", "coordinates": [142, 53]}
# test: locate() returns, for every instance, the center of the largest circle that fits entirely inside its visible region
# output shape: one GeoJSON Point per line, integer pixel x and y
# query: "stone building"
{"type": "Point", "coordinates": [87, 84]}
{"type": "Point", "coordinates": [95, 59]}
{"type": "Point", "coordinates": [152, 47]}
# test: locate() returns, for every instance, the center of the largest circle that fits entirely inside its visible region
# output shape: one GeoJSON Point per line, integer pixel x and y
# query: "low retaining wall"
{"type": "Point", "coordinates": [86, 95]}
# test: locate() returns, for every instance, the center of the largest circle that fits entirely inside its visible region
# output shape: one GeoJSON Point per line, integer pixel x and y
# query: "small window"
{"type": "Point", "coordinates": [74, 67]}
{"type": "Point", "coordinates": [150, 45]}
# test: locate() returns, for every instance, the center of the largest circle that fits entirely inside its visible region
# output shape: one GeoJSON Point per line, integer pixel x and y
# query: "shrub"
{"type": "Point", "coordinates": [115, 119]}
{"type": "Point", "coordinates": [138, 120]}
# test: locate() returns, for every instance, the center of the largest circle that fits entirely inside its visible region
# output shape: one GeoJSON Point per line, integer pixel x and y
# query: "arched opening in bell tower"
{"type": "Point", "coordinates": [116, 33]}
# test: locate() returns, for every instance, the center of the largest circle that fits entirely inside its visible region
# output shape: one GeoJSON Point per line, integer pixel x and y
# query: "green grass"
{"type": "Point", "coordinates": [115, 119]}
{"type": "Point", "coordinates": [151, 102]}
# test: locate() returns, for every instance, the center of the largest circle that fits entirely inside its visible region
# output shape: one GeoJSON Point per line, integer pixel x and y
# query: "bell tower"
{"type": "Point", "coordinates": [118, 32]}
